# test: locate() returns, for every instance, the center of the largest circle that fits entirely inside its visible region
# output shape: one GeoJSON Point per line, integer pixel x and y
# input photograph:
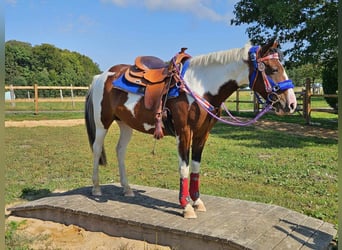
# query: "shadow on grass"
{"type": "Point", "coordinates": [254, 137]}
{"type": "Point", "coordinates": [31, 194]}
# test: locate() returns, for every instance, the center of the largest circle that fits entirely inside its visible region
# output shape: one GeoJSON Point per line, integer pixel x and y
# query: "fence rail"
{"type": "Point", "coordinates": [37, 99]}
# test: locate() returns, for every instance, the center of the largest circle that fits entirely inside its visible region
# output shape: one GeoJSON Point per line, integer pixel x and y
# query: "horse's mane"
{"type": "Point", "coordinates": [221, 57]}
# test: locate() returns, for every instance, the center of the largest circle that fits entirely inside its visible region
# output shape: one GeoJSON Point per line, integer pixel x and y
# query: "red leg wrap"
{"type": "Point", "coordinates": [184, 197]}
{"type": "Point", "coordinates": [194, 186]}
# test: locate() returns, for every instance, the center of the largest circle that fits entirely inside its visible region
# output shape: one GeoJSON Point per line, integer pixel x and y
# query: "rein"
{"type": "Point", "coordinates": [210, 108]}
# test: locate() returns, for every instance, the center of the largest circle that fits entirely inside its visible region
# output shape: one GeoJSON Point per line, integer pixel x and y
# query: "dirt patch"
{"type": "Point", "coordinates": [39, 234]}
{"type": "Point", "coordinates": [51, 235]}
{"type": "Point", "coordinates": [291, 128]}
{"type": "Point", "coordinates": [297, 129]}
{"type": "Point", "coordinates": [51, 123]}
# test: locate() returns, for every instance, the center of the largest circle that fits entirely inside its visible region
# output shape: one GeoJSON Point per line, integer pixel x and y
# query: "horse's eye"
{"type": "Point", "coordinates": [270, 71]}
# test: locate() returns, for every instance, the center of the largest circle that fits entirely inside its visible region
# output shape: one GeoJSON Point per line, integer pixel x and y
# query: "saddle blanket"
{"type": "Point", "coordinates": [123, 84]}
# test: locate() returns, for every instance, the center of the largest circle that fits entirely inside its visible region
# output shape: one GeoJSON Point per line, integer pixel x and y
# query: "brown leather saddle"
{"type": "Point", "coordinates": [157, 77]}
{"type": "Point", "coordinates": [150, 72]}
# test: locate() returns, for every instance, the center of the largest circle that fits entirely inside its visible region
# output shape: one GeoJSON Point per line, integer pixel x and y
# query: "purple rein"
{"type": "Point", "coordinates": [210, 108]}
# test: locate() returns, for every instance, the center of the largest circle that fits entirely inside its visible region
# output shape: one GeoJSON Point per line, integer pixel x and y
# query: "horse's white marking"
{"type": "Point", "coordinates": [131, 102]}
{"type": "Point", "coordinates": [195, 167]}
{"type": "Point", "coordinates": [98, 89]}
{"type": "Point", "coordinates": [183, 167]}
{"type": "Point", "coordinates": [207, 73]}
{"type": "Point", "coordinates": [190, 99]}
{"type": "Point", "coordinates": [147, 126]}
{"type": "Point", "coordinates": [121, 148]}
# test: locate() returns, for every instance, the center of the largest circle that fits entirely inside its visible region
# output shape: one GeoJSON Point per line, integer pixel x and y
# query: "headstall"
{"type": "Point", "coordinates": [259, 67]}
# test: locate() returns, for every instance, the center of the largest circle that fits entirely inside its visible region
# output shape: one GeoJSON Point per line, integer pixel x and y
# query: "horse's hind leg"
{"type": "Point", "coordinates": [97, 152]}
{"type": "Point", "coordinates": [121, 147]}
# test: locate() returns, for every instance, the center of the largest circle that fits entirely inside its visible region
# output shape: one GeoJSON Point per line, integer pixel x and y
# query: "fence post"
{"type": "Point", "coordinates": [72, 97]}
{"type": "Point", "coordinates": [237, 100]}
{"type": "Point", "coordinates": [36, 98]}
{"type": "Point", "coordinates": [256, 104]}
{"type": "Point", "coordinates": [12, 95]}
{"type": "Point", "coordinates": [307, 101]}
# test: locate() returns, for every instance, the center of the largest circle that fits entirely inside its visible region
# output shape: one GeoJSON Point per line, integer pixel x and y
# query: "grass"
{"type": "Point", "coordinates": [292, 171]}
{"type": "Point", "coordinates": [296, 172]}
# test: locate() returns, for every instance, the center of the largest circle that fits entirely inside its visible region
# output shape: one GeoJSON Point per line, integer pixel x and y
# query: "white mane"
{"type": "Point", "coordinates": [221, 57]}
{"type": "Point", "coordinates": [207, 73]}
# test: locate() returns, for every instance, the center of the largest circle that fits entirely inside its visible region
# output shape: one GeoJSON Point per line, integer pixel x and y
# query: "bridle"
{"type": "Point", "coordinates": [259, 67]}
{"type": "Point", "coordinates": [180, 70]}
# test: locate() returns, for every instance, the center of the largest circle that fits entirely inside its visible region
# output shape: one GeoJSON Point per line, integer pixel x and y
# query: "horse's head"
{"type": "Point", "coordinates": [268, 78]}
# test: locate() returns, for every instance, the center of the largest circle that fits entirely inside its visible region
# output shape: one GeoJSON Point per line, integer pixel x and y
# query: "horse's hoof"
{"type": "Point", "coordinates": [189, 212]}
{"type": "Point", "coordinates": [199, 206]}
{"type": "Point", "coordinates": [96, 191]}
{"type": "Point", "coordinates": [128, 193]}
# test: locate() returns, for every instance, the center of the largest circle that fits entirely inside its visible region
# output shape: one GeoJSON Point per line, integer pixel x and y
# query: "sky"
{"type": "Point", "coordinates": [116, 31]}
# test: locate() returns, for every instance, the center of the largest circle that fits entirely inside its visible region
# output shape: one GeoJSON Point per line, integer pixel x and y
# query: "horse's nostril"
{"type": "Point", "coordinates": [292, 106]}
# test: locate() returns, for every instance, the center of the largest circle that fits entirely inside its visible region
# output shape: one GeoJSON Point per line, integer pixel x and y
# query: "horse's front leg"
{"type": "Point", "coordinates": [184, 195]}
{"type": "Point", "coordinates": [197, 149]}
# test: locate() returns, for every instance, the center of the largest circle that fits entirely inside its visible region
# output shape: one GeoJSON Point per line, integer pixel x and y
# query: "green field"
{"type": "Point", "coordinates": [296, 172]}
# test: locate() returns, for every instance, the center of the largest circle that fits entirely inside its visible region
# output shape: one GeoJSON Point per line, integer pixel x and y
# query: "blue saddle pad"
{"type": "Point", "coordinates": [123, 84]}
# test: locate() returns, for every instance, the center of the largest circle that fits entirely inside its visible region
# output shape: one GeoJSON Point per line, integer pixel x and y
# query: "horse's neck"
{"type": "Point", "coordinates": [211, 78]}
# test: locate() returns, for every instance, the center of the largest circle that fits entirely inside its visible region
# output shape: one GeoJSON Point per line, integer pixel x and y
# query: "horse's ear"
{"type": "Point", "coordinates": [275, 43]}
{"type": "Point", "coordinates": [271, 43]}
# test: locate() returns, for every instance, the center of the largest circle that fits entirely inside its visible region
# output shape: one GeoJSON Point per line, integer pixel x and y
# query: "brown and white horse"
{"type": "Point", "coordinates": [213, 77]}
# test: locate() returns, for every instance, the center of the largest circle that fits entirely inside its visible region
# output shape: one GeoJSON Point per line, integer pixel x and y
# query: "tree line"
{"type": "Point", "coordinates": [46, 65]}
{"type": "Point", "coordinates": [310, 26]}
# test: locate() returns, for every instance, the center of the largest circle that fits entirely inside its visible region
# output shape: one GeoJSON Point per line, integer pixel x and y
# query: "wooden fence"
{"type": "Point", "coordinates": [307, 95]}
{"type": "Point", "coordinates": [304, 98]}
{"type": "Point", "coordinates": [36, 99]}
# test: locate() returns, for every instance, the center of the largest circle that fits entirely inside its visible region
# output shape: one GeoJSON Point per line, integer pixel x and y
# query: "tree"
{"type": "Point", "coordinates": [18, 61]}
{"type": "Point", "coordinates": [300, 73]}
{"type": "Point", "coordinates": [311, 26]}
{"type": "Point", "coordinates": [47, 65]}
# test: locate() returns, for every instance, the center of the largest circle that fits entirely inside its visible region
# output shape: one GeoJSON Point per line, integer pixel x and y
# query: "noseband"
{"type": "Point", "coordinates": [270, 86]}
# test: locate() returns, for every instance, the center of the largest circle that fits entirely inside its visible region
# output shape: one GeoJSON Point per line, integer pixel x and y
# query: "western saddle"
{"type": "Point", "coordinates": [157, 77]}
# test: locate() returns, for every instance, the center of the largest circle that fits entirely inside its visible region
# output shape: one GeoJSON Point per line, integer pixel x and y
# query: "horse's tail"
{"type": "Point", "coordinates": [90, 121]}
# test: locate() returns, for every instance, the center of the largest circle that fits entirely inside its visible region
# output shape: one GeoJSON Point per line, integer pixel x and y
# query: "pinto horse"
{"type": "Point", "coordinates": [209, 80]}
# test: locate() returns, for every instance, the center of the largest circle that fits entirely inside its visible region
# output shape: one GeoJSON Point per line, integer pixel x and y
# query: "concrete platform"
{"type": "Point", "coordinates": [155, 217]}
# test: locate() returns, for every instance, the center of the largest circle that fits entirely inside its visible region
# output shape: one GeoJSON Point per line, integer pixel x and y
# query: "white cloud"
{"type": "Point", "coordinates": [198, 8]}
{"type": "Point", "coordinates": [79, 24]}
{"type": "Point", "coordinates": [11, 2]}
